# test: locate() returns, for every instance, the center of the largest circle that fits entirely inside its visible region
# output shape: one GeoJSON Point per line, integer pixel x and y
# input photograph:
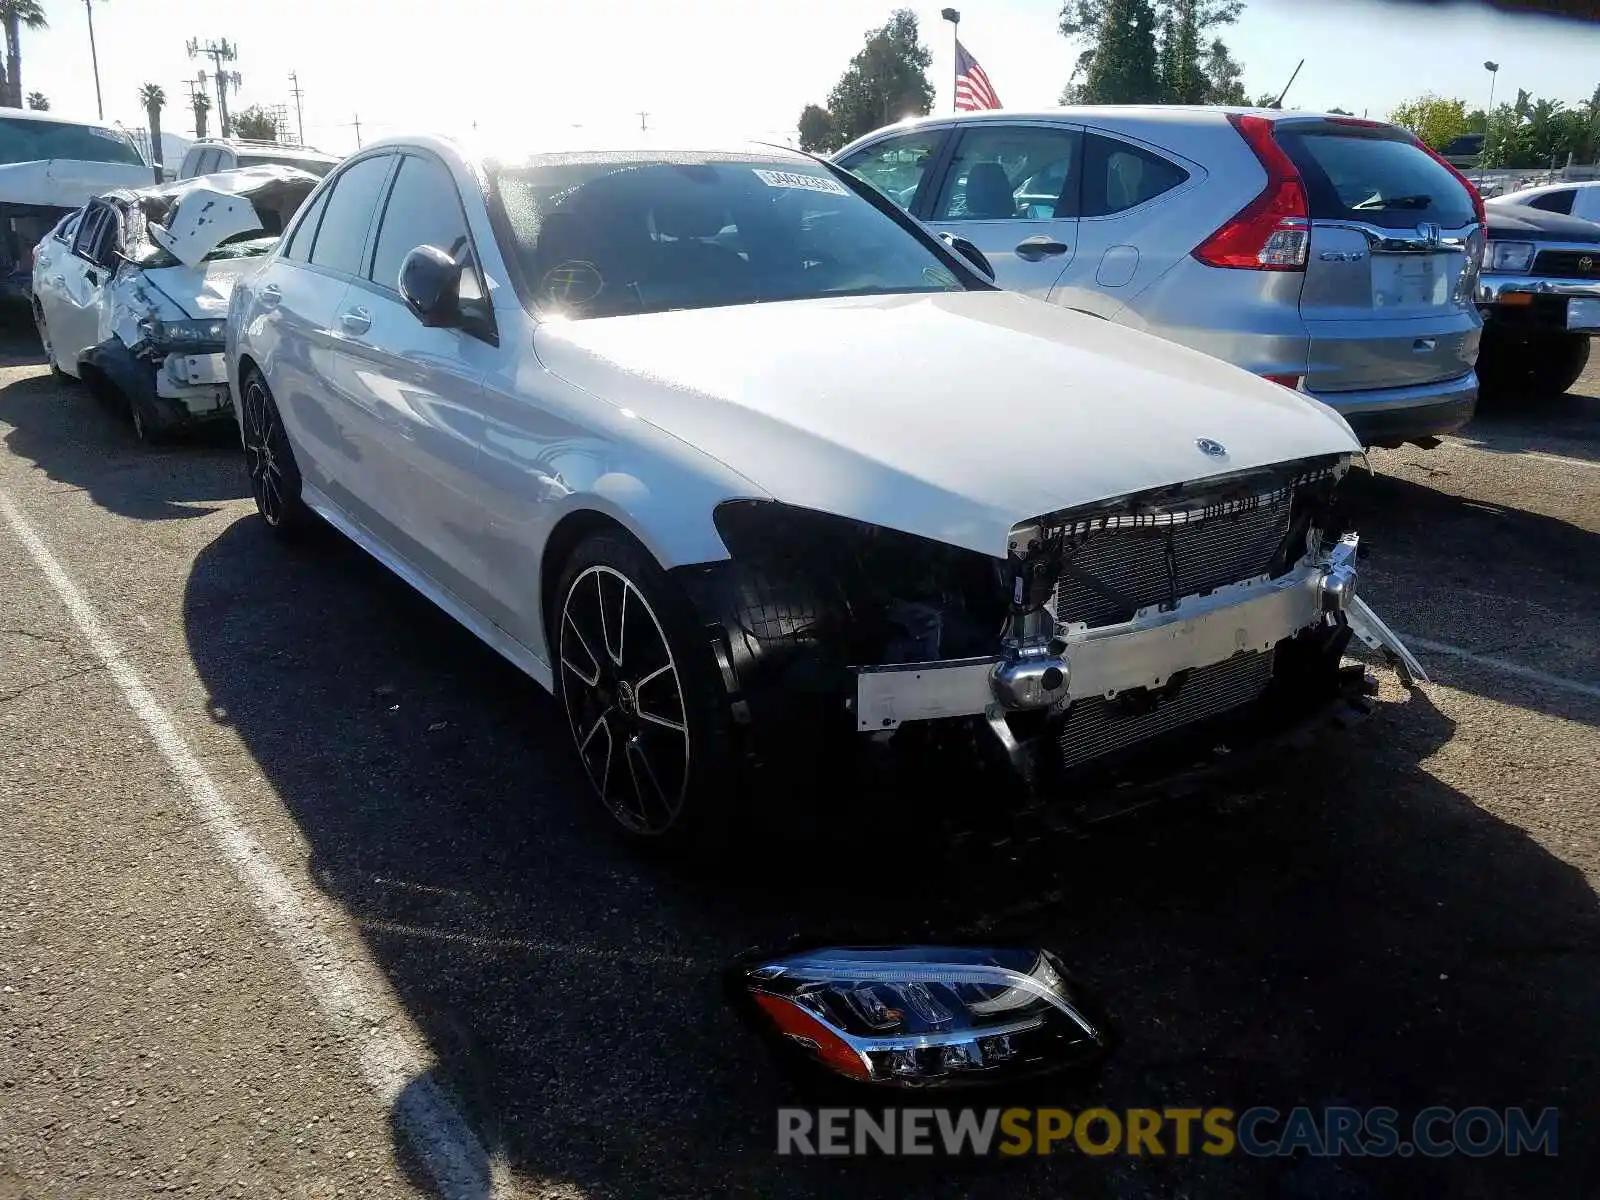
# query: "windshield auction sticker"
{"type": "Point", "coordinates": [793, 179]}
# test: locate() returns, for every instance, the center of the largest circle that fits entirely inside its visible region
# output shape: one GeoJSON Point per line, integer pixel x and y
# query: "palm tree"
{"type": "Point", "coordinates": [39, 102]}
{"type": "Point", "coordinates": [154, 99]}
{"type": "Point", "coordinates": [202, 105]}
{"type": "Point", "coordinates": [14, 14]}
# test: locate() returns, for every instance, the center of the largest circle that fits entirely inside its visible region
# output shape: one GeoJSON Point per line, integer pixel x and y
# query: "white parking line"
{"type": "Point", "coordinates": [1503, 666]}
{"type": "Point", "coordinates": [1562, 459]}
{"type": "Point", "coordinates": [350, 990]}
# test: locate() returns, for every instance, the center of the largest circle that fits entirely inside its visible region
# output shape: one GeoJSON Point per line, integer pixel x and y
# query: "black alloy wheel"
{"type": "Point", "coordinates": [269, 459]}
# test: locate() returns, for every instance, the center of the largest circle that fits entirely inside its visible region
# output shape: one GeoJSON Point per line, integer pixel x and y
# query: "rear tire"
{"type": "Point", "coordinates": [636, 680]}
{"type": "Point", "coordinates": [269, 459]}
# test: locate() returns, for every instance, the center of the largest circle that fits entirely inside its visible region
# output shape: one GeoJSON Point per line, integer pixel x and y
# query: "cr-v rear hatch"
{"type": "Point", "coordinates": [1396, 240]}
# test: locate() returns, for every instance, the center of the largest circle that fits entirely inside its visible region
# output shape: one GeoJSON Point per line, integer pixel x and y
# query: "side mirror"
{"type": "Point", "coordinates": [971, 253]}
{"type": "Point", "coordinates": [430, 284]}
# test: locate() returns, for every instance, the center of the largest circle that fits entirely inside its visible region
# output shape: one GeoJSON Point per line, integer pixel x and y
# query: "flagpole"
{"type": "Point", "coordinates": [954, 18]}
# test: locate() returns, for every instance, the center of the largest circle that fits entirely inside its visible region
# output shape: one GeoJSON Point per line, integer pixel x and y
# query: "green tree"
{"type": "Point", "coordinates": [1124, 70]}
{"type": "Point", "coordinates": [817, 134]}
{"type": "Point", "coordinates": [1182, 74]}
{"type": "Point", "coordinates": [39, 102]}
{"type": "Point", "coordinates": [1436, 120]}
{"type": "Point", "coordinates": [1224, 75]}
{"type": "Point", "coordinates": [255, 123]}
{"type": "Point", "coordinates": [14, 14]}
{"type": "Point", "coordinates": [885, 81]}
{"type": "Point", "coordinates": [154, 100]}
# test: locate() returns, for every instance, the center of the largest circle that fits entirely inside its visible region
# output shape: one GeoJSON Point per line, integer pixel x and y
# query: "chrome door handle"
{"type": "Point", "coordinates": [356, 320]}
{"type": "Point", "coordinates": [1035, 249]}
{"type": "Point", "coordinates": [271, 296]}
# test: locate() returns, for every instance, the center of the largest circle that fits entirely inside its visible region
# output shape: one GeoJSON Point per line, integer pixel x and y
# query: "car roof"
{"type": "Point", "coordinates": [49, 118]}
{"type": "Point", "coordinates": [264, 148]}
{"type": "Point", "coordinates": [1173, 114]}
{"type": "Point", "coordinates": [549, 148]}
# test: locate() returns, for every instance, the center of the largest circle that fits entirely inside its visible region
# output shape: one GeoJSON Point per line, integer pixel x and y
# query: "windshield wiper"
{"type": "Point", "coordinates": [1380, 202]}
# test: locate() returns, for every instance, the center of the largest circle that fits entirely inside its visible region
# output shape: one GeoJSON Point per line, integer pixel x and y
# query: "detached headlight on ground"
{"type": "Point", "coordinates": [923, 1016]}
{"type": "Point", "coordinates": [183, 334]}
{"type": "Point", "coordinates": [1509, 256]}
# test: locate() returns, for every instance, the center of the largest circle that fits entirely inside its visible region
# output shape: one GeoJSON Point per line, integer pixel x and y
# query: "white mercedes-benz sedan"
{"type": "Point", "coordinates": [754, 472]}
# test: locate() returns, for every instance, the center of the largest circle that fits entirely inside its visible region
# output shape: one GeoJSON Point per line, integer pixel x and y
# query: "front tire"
{"type": "Point", "coordinates": [269, 459]}
{"type": "Point", "coordinates": [641, 699]}
{"type": "Point", "coordinates": [1515, 367]}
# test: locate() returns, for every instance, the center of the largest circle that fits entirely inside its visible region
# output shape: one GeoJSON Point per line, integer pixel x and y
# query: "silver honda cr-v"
{"type": "Point", "coordinates": [1333, 255]}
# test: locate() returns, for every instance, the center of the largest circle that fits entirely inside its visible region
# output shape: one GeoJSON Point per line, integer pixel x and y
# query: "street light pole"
{"type": "Point", "coordinates": [94, 58]}
{"type": "Point", "coordinates": [954, 17]}
{"type": "Point", "coordinates": [1494, 73]}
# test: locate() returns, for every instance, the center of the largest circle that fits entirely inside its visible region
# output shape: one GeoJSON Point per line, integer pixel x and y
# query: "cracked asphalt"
{"type": "Point", "coordinates": [1405, 915]}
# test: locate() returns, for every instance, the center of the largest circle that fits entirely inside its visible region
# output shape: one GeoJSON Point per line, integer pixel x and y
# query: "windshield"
{"type": "Point", "coordinates": [316, 166]}
{"type": "Point", "coordinates": [22, 141]}
{"type": "Point", "coordinates": [602, 235]}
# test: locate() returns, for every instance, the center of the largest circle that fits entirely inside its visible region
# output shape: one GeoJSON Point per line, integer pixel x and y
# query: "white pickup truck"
{"type": "Point", "coordinates": [50, 166]}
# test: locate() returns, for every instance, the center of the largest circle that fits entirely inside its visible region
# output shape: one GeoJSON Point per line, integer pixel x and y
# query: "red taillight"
{"type": "Point", "coordinates": [1273, 231]}
{"type": "Point", "coordinates": [1292, 382]}
{"type": "Point", "coordinates": [1478, 211]}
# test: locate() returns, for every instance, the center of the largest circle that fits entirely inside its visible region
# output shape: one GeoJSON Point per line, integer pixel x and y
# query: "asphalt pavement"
{"type": "Point", "coordinates": [301, 893]}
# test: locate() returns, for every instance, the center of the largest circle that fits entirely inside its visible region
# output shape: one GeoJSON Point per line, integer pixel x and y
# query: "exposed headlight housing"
{"type": "Point", "coordinates": [921, 1016]}
{"type": "Point", "coordinates": [1512, 257]}
{"type": "Point", "coordinates": [185, 334]}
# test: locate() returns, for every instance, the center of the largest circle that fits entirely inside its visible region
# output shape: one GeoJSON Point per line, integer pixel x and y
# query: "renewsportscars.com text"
{"type": "Point", "coordinates": [1259, 1132]}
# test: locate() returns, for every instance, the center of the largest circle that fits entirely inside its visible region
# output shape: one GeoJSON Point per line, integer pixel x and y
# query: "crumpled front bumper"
{"type": "Point", "coordinates": [1144, 652]}
{"type": "Point", "coordinates": [198, 381]}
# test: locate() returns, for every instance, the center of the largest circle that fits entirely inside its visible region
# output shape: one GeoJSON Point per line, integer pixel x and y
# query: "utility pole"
{"type": "Point", "coordinates": [219, 52]}
{"type": "Point", "coordinates": [358, 130]}
{"type": "Point", "coordinates": [94, 58]}
{"type": "Point", "coordinates": [642, 116]}
{"type": "Point", "coordinates": [299, 116]}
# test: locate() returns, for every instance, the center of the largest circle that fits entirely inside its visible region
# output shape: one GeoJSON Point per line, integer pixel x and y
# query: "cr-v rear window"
{"type": "Point", "coordinates": [1378, 179]}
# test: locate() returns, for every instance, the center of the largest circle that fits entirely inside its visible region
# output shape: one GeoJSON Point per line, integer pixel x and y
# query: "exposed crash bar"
{"type": "Point", "coordinates": [1144, 652]}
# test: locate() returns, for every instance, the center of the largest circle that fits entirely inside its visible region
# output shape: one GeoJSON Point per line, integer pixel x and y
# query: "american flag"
{"type": "Point", "coordinates": [974, 92]}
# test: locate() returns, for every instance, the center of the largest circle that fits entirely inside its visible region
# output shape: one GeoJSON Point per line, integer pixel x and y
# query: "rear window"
{"type": "Point", "coordinates": [1382, 181]}
{"type": "Point", "coordinates": [22, 141]}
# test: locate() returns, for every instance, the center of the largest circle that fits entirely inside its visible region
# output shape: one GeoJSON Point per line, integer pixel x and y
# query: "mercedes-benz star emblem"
{"type": "Point", "coordinates": [1586, 264]}
{"type": "Point", "coordinates": [1210, 448]}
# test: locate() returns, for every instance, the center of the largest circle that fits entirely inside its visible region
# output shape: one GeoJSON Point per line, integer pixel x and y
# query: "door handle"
{"type": "Point", "coordinates": [271, 296]}
{"type": "Point", "coordinates": [1035, 249]}
{"type": "Point", "coordinates": [59, 280]}
{"type": "Point", "coordinates": [357, 320]}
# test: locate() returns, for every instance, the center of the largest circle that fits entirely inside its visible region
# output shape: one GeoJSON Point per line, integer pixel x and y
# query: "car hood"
{"type": "Point", "coordinates": [65, 182]}
{"type": "Point", "coordinates": [1537, 225]}
{"type": "Point", "coordinates": [201, 291]}
{"type": "Point", "coordinates": [953, 415]}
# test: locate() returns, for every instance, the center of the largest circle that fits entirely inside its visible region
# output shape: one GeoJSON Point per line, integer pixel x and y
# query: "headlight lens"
{"type": "Point", "coordinates": [185, 333]}
{"type": "Point", "coordinates": [924, 1015]}
{"type": "Point", "coordinates": [1510, 256]}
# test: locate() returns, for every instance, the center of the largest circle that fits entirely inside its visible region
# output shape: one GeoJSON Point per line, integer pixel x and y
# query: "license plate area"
{"type": "Point", "coordinates": [1409, 281]}
{"type": "Point", "coordinates": [1583, 313]}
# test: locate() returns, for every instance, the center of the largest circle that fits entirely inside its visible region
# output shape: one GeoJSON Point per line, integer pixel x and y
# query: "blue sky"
{"type": "Point", "coordinates": [740, 67]}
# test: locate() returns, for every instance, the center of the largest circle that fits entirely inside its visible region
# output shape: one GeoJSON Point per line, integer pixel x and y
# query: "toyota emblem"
{"type": "Point", "coordinates": [1211, 449]}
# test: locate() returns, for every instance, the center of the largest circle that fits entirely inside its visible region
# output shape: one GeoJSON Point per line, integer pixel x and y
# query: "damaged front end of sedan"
{"type": "Point", "coordinates": [162, 265]}
{"type": "Point", "coordinates": [1122, 643]}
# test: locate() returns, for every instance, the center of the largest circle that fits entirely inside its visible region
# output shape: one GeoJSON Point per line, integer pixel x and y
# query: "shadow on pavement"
{"type": "Point", "coordinates": [1567, 425]}
{"type": "Point", "coordinates": [1364, 936]}
{"type": "Point", "coordinates": [1433, 560]}
{"type": "Point", "coordinates": [74, 438]}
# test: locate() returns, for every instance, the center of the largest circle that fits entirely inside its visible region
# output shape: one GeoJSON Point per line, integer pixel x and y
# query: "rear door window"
{"type": "Point", "coordinates": [298, 248]}
{"type": "Point", "coordinates": [1556, 202]}
{"type": "Point", "coordinates": [1375, 178]}
{"type": "Point", "coordinates": [1118, 176]}
{"type": "Point", "coordinates": [1010, 173]}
